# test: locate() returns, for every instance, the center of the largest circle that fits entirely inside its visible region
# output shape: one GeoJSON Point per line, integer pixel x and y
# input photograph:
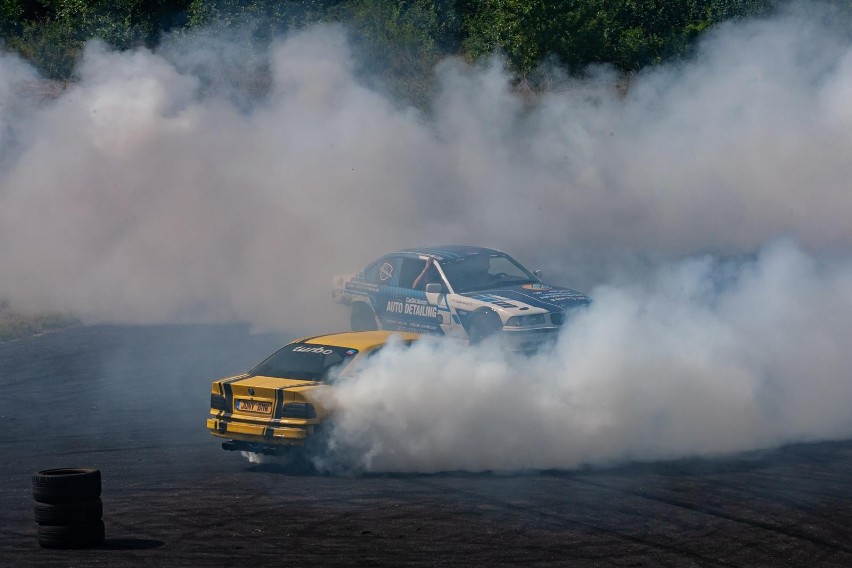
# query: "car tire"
{"type": "Point", "coordinates": [482, 326]}
{"type": "Point", "coordinates": [68, 513]}
{"type": "Point", "coordinates": [66, 485]}
{"type": "Point", "coordinates": [83, 535]}
{"type": "Point", "coordinates": [363, 318]}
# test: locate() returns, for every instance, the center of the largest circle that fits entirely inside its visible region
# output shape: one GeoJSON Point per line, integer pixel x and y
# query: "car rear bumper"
{"type": "Point", "coordinates": [266, 434]}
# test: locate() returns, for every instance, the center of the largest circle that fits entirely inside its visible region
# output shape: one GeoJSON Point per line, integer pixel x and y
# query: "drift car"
{"type": "Point", "coordinates": [463, 292]}
{"type": "Point", "coordinates": [275, 405]}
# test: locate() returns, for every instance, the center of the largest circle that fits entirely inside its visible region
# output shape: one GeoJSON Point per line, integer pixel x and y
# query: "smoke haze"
{"type": "Point", "coordinates": [178, 186]}
{"type": "Point", "coordinates": [706, 359]}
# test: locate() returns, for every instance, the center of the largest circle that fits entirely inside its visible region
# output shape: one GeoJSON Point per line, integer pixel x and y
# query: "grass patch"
{"type": "Point", "coordinates": [14, 325]}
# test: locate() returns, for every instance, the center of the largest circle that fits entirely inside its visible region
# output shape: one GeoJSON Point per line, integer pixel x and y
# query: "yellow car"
{"type": "Point", "coordinates": [276, 406]}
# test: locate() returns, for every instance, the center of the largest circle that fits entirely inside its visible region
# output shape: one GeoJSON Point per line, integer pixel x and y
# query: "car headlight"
{"type": "Point", "coordinates": [523, 321]}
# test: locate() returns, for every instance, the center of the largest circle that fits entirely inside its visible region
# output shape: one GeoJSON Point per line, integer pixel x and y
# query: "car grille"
{"type": "Point", "coordinates": [557, 318]}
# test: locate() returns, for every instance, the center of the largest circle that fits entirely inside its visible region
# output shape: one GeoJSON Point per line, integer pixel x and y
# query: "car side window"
{"type": "Point", "coordinates": [409, 271]}
{"type": "Point", "coordinates": [384, 271]}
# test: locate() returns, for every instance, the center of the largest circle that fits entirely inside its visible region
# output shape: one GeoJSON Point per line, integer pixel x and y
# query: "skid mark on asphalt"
{"type": "Point", "coordinates": [565, 521]}
{"type": "Point", "coordinates": [715, 512]}
{"type": "Point", "coordinates": [787, 491]}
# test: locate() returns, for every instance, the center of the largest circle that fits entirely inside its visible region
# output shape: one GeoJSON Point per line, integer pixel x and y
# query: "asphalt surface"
{"type": "Point", "coordinates": [132, 402]}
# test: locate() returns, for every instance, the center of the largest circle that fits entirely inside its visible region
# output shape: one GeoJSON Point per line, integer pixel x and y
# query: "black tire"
{"type": "Point", "coordinates": [66, 485]}
{"type": "Point", "coordinates": [81, 512]}
{"type": "Point", "coordinates": [482, 326]}
{"type": "Point", "coordinates": [71, 536]}
{"type": "Point", "coordinates": [363, 318]}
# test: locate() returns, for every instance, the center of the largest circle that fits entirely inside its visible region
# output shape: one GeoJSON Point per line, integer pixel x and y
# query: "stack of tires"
{"type": "Point", "coordinates": [68, 508]}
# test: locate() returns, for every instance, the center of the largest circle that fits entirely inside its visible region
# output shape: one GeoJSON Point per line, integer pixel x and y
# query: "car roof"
{"type": "Point", "coordinates": [450, 252]}
{"type": "Point", "coordinates": [359, 340]}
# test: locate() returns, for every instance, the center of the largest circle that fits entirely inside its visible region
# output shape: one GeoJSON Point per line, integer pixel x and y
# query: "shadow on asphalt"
{"type": "Point", "coordinates": [131, 544]}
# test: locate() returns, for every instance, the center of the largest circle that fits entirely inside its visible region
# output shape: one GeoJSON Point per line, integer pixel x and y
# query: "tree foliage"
{"type": "Point", "coordinates": [626, 33]}
{"type": "Point", "coordinates": [51, 33]}
{"type": "Point", "coordinates": [403, 38]}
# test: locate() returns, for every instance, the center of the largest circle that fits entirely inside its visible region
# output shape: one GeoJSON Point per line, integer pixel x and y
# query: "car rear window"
{"type": "Point", "coordinates": [308, 361]}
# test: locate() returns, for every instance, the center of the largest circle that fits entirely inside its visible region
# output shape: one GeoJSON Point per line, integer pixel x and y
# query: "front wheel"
{"type": "Point", "coordinates": [482, 326]}
{"type": "Point", "coordinates": [363, 318]}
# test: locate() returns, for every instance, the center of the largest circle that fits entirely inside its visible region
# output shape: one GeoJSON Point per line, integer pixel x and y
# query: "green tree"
{"type": "Point", "coordinates": [626, 33]}
{"type": "Point", "coordinates": [403, 40]}
{"type": "Point", "coordinates": [51, 33]}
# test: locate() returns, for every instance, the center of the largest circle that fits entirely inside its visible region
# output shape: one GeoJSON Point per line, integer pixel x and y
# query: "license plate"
{"type": "Point", "coordinates": [253, 406]}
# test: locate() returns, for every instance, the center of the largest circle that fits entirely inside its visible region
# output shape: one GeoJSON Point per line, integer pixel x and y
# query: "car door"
{"type": "Point", "coordinates": [404, 307]}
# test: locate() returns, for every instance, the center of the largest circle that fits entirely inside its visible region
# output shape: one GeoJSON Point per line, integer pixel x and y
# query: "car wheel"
{"type": "Point", "coordinates": [66, 485]}
{"type": "Point", "coordinates": [483, 325]}
{"type": "Point", "coordinates": [363, 318]}
{"type": "Point", "coordinates": [68, 513]}
{"type": "Point", "coordinates": [81, 535]}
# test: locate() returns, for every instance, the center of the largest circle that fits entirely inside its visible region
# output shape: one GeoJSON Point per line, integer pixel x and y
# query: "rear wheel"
{"type": "Point", "coordinates": [483, 325]}
{"type": "Point", "coordinates": [363, 318]}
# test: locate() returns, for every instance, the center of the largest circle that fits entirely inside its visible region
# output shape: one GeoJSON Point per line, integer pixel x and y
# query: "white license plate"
{"type": "Point", "coordinates": [260, 406]}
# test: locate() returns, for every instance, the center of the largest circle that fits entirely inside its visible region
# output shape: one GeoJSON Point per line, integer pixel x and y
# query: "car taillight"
{"type": "Point", "coordinates": [299, 410]}
{"type": "Point", "coordinates": [218, 402]}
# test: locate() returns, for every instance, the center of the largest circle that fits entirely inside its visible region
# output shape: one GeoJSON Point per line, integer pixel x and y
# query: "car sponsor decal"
{"type": "Point", "coordinates": [423, 326]}
{"type": "Point", "coordinates": [385, 271]}
{"type": "Point", "coordinates": [536, 286]}
{"type": "Point", "coordinates": [403, 309]}
{"type": "Point", "coordinates": [412, 307]}
{"type": "Point", "coordinates": [496, 300]}
{"type": "Point", "coordinates": [318, 349]}
{"type": "Point", "coordinates": [554, 299]}
{"type": "Point", "coordinates": [362, 286]}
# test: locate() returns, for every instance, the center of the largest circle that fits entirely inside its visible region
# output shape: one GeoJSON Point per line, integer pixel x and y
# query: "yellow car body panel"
{"type": "Point", "coordinates": [360, 340]}
{"type": "Point", "coordinates": [259, 412]}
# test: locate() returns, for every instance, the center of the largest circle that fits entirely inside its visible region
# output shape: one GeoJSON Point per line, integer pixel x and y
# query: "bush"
{"type": "Point", "coordinates": [14, 325]}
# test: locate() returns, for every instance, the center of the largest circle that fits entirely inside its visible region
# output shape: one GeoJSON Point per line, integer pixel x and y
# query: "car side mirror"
{"type": "Point", "coordinates": [434, 288]}
{"type": "Point", "coordinates": [538, 274]}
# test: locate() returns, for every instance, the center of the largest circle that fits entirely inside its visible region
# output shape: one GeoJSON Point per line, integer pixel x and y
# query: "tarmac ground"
{"type": "Point", "coordinates": [132, 401]}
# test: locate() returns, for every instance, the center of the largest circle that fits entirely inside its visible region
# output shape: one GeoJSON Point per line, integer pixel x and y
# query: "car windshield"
{"type": "Point", "coordinates": [305, 361]}
{"type": "Point", "coordinates": [483, 271]}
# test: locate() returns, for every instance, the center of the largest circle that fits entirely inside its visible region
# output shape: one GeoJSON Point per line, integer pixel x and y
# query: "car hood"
{"type": "Point", "coordinates": [545, 296]}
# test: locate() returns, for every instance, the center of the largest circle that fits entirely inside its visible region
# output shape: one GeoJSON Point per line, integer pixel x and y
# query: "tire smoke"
{"type": "Point", "coordinates": [206, 181]}
{"type": "Point", "coordinates": [706, 207]}
{"type": "Point", "coordinates": [705, 359]}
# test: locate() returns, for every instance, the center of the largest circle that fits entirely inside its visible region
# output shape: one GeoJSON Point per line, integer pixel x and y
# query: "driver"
{"type": "Point", "coordinates": [428, 275]}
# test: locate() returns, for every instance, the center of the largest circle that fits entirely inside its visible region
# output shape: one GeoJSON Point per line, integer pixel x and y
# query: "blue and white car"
{"type": "Point", "coordinates": [463, 292]}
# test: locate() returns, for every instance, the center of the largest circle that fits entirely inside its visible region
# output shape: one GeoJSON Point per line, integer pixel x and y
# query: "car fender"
{"type": "Point", "coordinates": [480, 311]}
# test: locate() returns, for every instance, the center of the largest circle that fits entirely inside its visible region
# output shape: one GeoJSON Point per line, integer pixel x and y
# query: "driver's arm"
{"type": "Point", "coordinates": [419, 279]}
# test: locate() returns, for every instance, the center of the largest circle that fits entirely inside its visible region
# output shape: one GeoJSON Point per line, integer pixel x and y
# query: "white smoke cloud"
{"type": "Point", "coordinates": [207, 181]}
{"type": "Point", "coordinates": [708, 359]}
{"type": "Point", "coordinates": [151, 190]}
